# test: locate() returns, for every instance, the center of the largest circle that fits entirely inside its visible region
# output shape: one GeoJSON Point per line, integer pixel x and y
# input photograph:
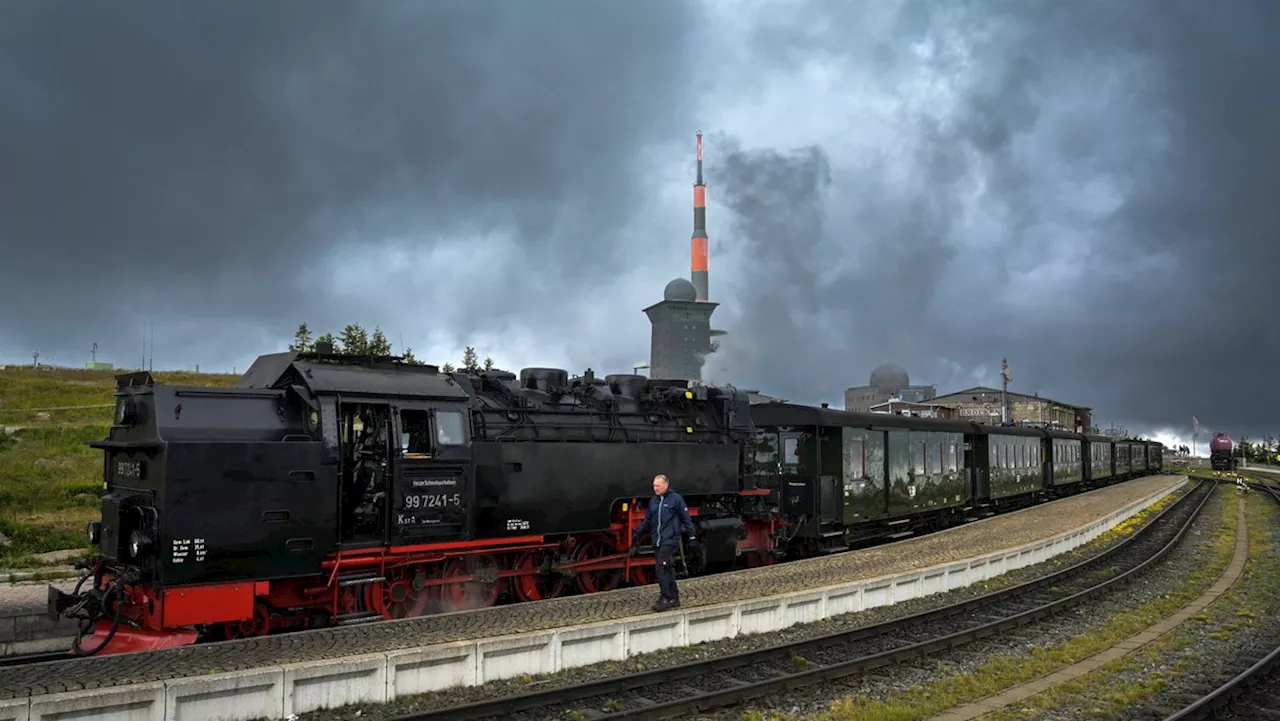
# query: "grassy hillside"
{"type": "Point", "coordinates": [50, 480]}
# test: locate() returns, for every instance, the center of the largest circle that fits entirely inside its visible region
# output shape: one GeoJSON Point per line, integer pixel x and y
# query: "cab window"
{"type": "Point", "coordinates": [415, 434]}
{"type": "Point", "coordinates": [450, 430]}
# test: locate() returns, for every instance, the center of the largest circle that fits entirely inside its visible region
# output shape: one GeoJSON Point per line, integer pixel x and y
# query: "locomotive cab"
{"type": "Point", "coordinates": [405, 472]}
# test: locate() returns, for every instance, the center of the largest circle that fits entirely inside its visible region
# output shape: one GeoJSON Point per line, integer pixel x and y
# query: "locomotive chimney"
{"type": "Point", "coordinates": [698, 245]}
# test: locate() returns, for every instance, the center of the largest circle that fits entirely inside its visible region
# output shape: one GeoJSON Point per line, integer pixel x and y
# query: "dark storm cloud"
{"type": "Point", "coordinates": [1170, 108]}
{"type": "Point", "coordinates": [205, 160]}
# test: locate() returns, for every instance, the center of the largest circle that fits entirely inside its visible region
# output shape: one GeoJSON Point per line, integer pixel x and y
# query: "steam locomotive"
{"type": "Point", "coordinates": [327, 489]}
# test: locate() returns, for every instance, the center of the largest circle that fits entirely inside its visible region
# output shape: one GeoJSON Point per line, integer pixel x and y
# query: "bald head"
{"type": "Point", "coordinates": [660, 484]}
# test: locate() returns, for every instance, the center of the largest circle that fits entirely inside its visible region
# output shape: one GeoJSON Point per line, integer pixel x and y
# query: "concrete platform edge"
{"type": "Point", "coordinates": [279, 691]}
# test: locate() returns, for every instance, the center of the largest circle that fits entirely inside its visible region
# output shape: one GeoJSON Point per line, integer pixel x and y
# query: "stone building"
{"type": "Point", "coordinates": [681, 332]}
{"type": "Point", "coordinates": [888, 382]}
{"type": "Point", "coordinates": [982, 405]}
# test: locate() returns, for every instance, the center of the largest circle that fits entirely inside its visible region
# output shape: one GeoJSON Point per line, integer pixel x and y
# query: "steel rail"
{"type": "Point", "coordinates": [738, 691]}
{"type": "Point", "coordinates": [1242, 683]}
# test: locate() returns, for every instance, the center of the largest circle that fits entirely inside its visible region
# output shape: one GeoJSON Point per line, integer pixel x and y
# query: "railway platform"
{"type": "Point", "coordinates": [277, 676]}
{"type": "Point", "coordinates": [24, 625]}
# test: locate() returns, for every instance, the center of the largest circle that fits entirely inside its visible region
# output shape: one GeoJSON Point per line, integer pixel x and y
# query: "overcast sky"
{"type": "Point", "coordinates": [1089, 189]}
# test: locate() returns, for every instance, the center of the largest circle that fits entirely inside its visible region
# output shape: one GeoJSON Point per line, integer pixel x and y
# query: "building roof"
{"type": "Point", "coordinates": [958, 396]}
{"type": "Point", "coordinates": [910, 404]}
{"type": "Point", "coordinates": [680, 289]}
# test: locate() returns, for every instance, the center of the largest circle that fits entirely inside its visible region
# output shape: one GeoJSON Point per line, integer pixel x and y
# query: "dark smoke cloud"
{"type": "Point", "coordinates": [209, 161]}
{"type": "Point", "coordinates": [1083, 187]}
{"type": "Point", "coordinates": [1119, 153]}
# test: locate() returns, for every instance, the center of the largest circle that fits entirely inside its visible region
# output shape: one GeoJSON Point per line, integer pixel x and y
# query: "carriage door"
{"type": "Point", "coordinates": [830, 467]}
{"type": "Point", "coordinates": [433, 475]}
{"type": "Point", "coordinates": [798, 493]}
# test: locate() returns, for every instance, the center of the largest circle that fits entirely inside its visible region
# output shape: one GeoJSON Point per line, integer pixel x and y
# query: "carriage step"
{"type": "Point", "coordinates": [900, 534]}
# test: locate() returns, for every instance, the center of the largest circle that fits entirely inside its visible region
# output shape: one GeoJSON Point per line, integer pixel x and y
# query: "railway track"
{"type": "Point", "coordinates": [1253, 692]}
{"type": "Point", "coordinates": [726, 681]}
{"type": "Point", "coordinates": [24, 659]}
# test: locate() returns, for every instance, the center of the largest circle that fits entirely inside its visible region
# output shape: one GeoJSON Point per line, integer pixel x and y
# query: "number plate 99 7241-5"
{"type": "Point", "coordinates": [128, 469]}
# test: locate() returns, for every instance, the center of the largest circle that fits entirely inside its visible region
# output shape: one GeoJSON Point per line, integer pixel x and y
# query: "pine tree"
{"type": "Point", "coordinates": [469, 363]}
{"type": "Point", "coordinates": [355, 341]}
{"type": "Point", "coordinates": [488, 363]}
{"type": "Point", "coordinates": [378, 344]}
{"type": "Point", "coordinates": [302, 340]}
{"type": "Point", "coordinates": [447, 368]}
{"type": "Point", "coordinates": [327, 338]}
{"type": "Point", "coordinates": [410, 358]}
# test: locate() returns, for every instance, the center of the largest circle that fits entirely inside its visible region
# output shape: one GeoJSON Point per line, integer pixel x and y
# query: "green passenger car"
{"type": "Point", "coordinates": [848, 468]}
{"type": "Point", "coordinates": [1014, 462]}
{"type": "Point", "coordinates": [1099, 458]}
{"type": "Point", "coordinates": [1068, 460]}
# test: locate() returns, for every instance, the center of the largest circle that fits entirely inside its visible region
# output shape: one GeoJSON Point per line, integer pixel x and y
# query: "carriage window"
{"type": "Point", "coordinates": [856, 460]}
{"type": "Point", "coordinates": [790, 450]}
{"type": "Point", "coordinates": [918, 458]}
{"type": "Point", "coordinates": [449, 428]}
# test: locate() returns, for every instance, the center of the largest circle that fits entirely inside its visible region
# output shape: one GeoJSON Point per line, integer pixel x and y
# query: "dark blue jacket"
{"type": "Point", "coordinates": [666, 515]}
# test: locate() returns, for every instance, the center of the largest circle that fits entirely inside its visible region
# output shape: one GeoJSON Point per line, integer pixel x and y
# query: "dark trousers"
{"type": "Point", "coordinates": [667, 573]}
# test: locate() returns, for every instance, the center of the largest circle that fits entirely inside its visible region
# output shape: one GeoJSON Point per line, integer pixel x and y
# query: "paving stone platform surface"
{"type": "Point", "coordinates": [975, 539]}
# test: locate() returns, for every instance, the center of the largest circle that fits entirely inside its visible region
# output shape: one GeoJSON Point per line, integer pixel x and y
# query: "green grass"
{"type": "Point", "coordinates": [22, 389]}
{"type": "Point", "coordinates": [50, 480]}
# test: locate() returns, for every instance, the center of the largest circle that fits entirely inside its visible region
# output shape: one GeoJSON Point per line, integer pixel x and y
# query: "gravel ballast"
{"type": "Point", "coordinates": [1199, 655]}
{"type": "Point", "coordinates": [1008, 650]}
{"type": "Point", "coordinates": [671, 657]}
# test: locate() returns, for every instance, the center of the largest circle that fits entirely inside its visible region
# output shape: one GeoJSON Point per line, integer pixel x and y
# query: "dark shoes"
{"type": "Point", "coordinates": [665, 605]}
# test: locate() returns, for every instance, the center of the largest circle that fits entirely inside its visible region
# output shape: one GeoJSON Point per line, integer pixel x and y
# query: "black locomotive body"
{"type": "Point", "coordinates": [199, 484]}
{"type": "Point", "coordinates": [329, 489]}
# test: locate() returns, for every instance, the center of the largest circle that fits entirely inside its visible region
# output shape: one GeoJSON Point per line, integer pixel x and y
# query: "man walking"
{"type": "Point", "coordinates": [666, 515]}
